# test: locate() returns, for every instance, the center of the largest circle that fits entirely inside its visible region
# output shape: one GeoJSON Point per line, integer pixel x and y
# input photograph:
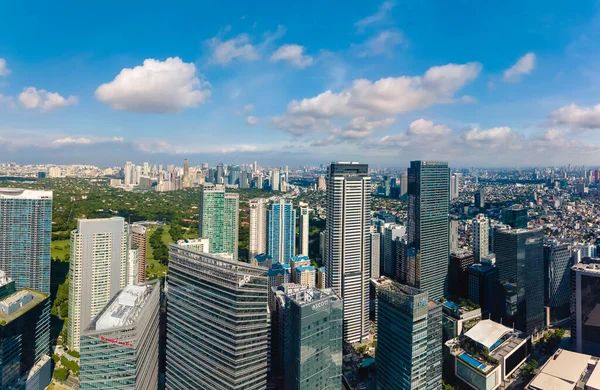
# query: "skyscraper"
{"type": "Point", "coordinates": [454, 185]}
{"type": "Point", "coordinates": [187, 179]}
{"type": "Point", "coordinates": [484, 287]}
{"type": "Point", "coordinates": [275, 179]}
{"type": "Point", "coordinates": [515, 216]}
{"type": "Point", "coordinates": [137, 236]}
{"type": "Point", "coordinates": [403, 183]}
{"type": "Point", "coordinates": [375, 244]}
{"type": "Point", "coordinates": [557, 279]}
{"type": "Point", "coordinates": [119, 349]}
{"type": "Point", "coordinates": [128, 173]}
{"type": "Point", "coordinates": [309, 330]}
{"type": "Point", "coordinates": [348, 251]}
{"type": "Point", "coordinates": [304, 229]}
{"type": "Point", "coordinates": [585, 307]}
{"type": "Point", "coordinates": [458, 284]}
{"type": "Point", "coordinates": [225, 344]}
{"type": "Point", "coordinates": [480, 198]}
{"type": "Point", "coordinates": [454, 235]}
{"type": "Point", "coordinates": [281, 230]}
{"type": "Point", "coordinates": [219, 219]}
{"type": "Point", "coordinates": [481, 229]}
{"type": "Point", "coordinates": [428, 235]}
{"type": "Point", "coordinates": [409, 339]}
{"type": "Point", "coordinates": [98, 270]}
{"type": "Point", "coordinates": [520, 262]}
{"type": "Point", "coordinates": [25, 236]}
{"type": "Point", "coordinates": [392, 233]}
{"type": "Point", "coordinates": [258, 228]}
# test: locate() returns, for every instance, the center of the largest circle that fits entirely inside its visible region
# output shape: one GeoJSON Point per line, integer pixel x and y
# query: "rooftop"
{"type": "Point", "coordinates": [587, 268]}
{"type": "Point", "coordinates": [310, 295]}
{"type": "Point", "coordinates": [19, 193]}
{"type": "Point", "coordinates": [125, 307]}
{"type": "Point", "coordinates": [36, 298]}
{"type": "Point", "coordinates": [564, 370]}
{"type": "Point", "coordinates": [487, 333]}
{"type": "Point", "coordinates": [305, 268]}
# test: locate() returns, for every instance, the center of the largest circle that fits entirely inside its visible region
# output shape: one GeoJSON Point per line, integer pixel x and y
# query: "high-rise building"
{"type": "Point", "coordinates": [220, 174]}
{"type": "Point", "coordinates": [403, 183]}
{"type": "Point", "coordinates": [275, 179]}
{"type": "Point", "coordinates": [454, 235]}
{"type": "Point", "coordinates": [128, 173]}
{"type": "Point", "coordinates": [187, 179]}
{"type": "Point", "coordinates": [557, 279]}
{"type": "Point", "coordinates": [321, 184]}
{"type": "Point", "coordinates": [428, 235]}
{"type": "Point", "coordinates": [234, 174]}
{"type": "Point", "coordinates": [225, 346]}
{"type": "Point", "coordinates": [458, 276]}
{"type": "Point", "coordinates": [281, 230]}
{"type": "Point", "coordinates": [348, 252]}
{"type": "Point", "coordinates": [138, 240]}
{"type": "Point", "coordinates": [454, 185]}
{"type": "Point", "coordinates": [392, 233]}
{"type": "Point", "coordinates": [585, 307]}
{"type": "Point", "coordinates": [219, 219]}
{"type": "Point", "coordinates": [409, 339]}
{"type": "Point", "coordinates": [481, 229]}
{"type": "Point", "coordinates": [98, 270]}
{"type": "Point", "coordinates": [515, 216]}
{"type": "Point", "coordinates": [484, 288]}
{"type": "Point", "coordinates": [520, 262]}
{"type": "Point", "coordinates": [308, 337]}
{"type": "Point", "coordinates": [119, 349]}
{"type": "Point", "coordinates": [258, 228]}
{"type": "Point", "coordinates": [480, 198]}
{"type": "Point", "coordinates": [304, 228]}
{"type": "Point", "coordinates": [25, 236]}
{"type": "Point", "coordinates": [24, 336]}
{"type": "Point", "coordinates": [375, 244]}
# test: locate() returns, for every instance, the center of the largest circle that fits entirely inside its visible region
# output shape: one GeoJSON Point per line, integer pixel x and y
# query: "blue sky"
{"type": "Point", "coordinates": [474, 83]}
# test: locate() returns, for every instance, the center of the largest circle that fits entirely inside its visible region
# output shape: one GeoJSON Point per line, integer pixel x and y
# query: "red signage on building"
{"type": "Point", "coordinates": [116, 341]}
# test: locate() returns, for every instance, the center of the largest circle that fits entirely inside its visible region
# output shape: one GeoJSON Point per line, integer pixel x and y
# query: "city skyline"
{"type": "Point", "coordinates": [529, 101]}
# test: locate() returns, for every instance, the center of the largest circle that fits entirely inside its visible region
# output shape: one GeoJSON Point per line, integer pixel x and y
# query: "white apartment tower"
{"type": "Point", "coordinates": [128, 173]}
{"type": "Point", "coordinates": [348, 244]}
{"type": "Point", "coordinates": [258, 228]}
{"type": "Point", "coordinates": [481, 230]}
{"type": "Point", "coordinates": [304, 229]}
{"type": "Point", "coordinates": [275, 179]}
{"type": "Point", "coordinates": [98, 270]}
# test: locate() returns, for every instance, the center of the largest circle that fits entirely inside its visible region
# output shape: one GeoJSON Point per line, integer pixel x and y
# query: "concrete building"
{"type": "Point", "coordinates": [515, 216]}
{"type": "Point", "coordinates": [375, 243]}
{"type": "Point", "coordinates": [275, 179]}
{"type": "Point", "coordinates": [25, 236]}
{"type": "Point", "coordinates": [304, 228]}
{"type": "Point", "coordinates": [457, 319]}
{"type": "Point", "coordinates": [120, 346]}
{"type": "Point", "coordinates": [480, 199]}
{"type": "Point", "coordinates": [428, 235]}
{"type": "Point", "coordinates": [484, 286]}
{"type": "Point", "coordinates": [219, 219]}
{"type": "Point", "coordinates": [197, 244]}
{"type": "Point", "coordinates": [139, 240]}
{"type": "Point", "coordinates": [258, 227]}
{"type": "Point", "coordinates": [481, 228]}
{"type": "Point", "coordinates": [458, 274]}
{"type": "Point", "coordinates": [281, 230]}
{"type": "Point", "coordinates": [132, 267]}
{"type": "Point", "coordinates": [392, 233]}
{"type": "Point", "coordinates": [585, 307]}
{"type": "Point", "coordinates": [454, 235]}
{"type": "Point", "coordinates": [308, 339]}
{"type": "Point", "coordinates": [98, 270]}
{"type": "Point", "coordinates": [348, 252]}
{"type": "Point", "coordinates": [409, 339]}
{"type": "Point", "coordinates": [569, 371]}
{"type": "Point", "coordinates": [213, 290]}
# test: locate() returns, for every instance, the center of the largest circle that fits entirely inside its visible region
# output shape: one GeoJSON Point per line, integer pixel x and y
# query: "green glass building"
{"type": "Point", "coordinates": [409, 339]}
{"type": "Point", "coordinates": [428, 225]}
{"type": "Point", "coordinates": [219, 219]}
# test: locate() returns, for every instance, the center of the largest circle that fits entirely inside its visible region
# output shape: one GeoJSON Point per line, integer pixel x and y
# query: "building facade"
{"type": "Point", "coordinates": [205, 290]}
{"type": "Point", "coordinates": [585, 307]}
{"type": "Point", "coordinates": [97, 271]}
{"type": "Point", "coordinates": [481, 233]}
{"type": "Point", "coordinates": [25, 236]}
{"type": "Point", "coordinates": [304, 229]}
{"type": "Point", "coordinates": [458, 275]}
{"type": "Point", "coordinates": [515, 216]}
{"type": "Point", "coordinates": [348, 252]}
{"type": "Point", "coordinates": [258, 228]}
{"type": "Point", "coordinates": [219, 219]}
{"type": "Point", "coordinates": [428, 227]}
{"type": "Point", "coordinates": [557, 280]}
{"type": "Point", "coordinates": [409, 339]}
{"type": "Point", "coordinates": [281, 230]}
{"type": "Point", "coordinates": [138, 240]}
{"type": "Point", "coordinates": [119, 349]}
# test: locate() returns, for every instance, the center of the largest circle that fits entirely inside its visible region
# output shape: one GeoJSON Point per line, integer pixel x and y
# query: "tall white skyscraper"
{"type": "Point", "coordinates": [98, 270]}
{"type": "Point", "coordinates": [258, 228]}
{"type": "Point", "coordinates": [348, 244]}
{"type": "Point", "coordinates": [304, 229]}
{"type": "Point", "coordinates": [128, 172]}
{"type": "Point", "coordinates": [454, 185]}
{"type": "Point", "coordinates": [481, 229]}
{"type": "Point", "coordinates": [275, 179]}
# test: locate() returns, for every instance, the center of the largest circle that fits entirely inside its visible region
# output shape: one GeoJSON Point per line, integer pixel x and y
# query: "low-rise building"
{"type": "Point", "coordinates": [566, 370]}
{"type": "Point", "coordinates": [457, 319]}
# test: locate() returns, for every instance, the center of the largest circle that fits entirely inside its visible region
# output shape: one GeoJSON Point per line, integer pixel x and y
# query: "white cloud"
{"type": "Point", "coordinates": [360, 127]}
{"type": "Point", "coordinates": [382, 43]}
{"type": "Point", "coordinates": [392, 95]}
{"type": "Point", "coordinates": [301, 124]}
{"type": "Point", "coordinates": [324, 141]}
{"type": "Point", "coordinates": [238, 48]}
{"type": "Point", "coordinates": [422, 127]}
{"type": "Point", "coordinates": [491, 135]}
{"type": "Point", "coordinates": [524, 65]}
{"type": "Point", "coordinates": [156, 86]}
{"type": "Point", "coordinates": [377, 17]}
{"type": "Point", "coordinates": [8, 100]}
{"type": "Point", "coordinates": [252, 121]}
{"type": "Point", "coordinates": [294, 54]}
{"type": "Point", "coordinates": [573, 115]}
{"type": "Point", "coordinates": [394, 141]}
{"type": "Point", "coordinates": [468, 99]}
{"type": "Point", "coordinates": [4, 71]}
{"type": "Point", "coordinates": [248, 107]}
{"type": "Point", "coordinates": [33, 98]}
{"type": "Point", "coordinates": [84, 140]}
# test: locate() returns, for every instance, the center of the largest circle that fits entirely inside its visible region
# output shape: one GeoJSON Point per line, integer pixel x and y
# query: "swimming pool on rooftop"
{"type": "Point", "coordinates": [472, 361]}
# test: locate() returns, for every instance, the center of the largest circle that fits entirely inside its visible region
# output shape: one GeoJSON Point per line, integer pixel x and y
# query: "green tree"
{"type": "Point", "coordinates": [61, 374]}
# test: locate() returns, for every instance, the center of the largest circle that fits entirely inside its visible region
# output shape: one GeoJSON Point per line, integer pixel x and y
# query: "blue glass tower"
{"type": "Point", "coordinates": [25, 235]}
{"type": "Point", "coordinates": [281, 230]}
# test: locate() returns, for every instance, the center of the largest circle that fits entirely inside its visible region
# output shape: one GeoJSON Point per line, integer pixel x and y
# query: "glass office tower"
{"type": "Point", "coordinates": [219, 219]}
{"type": "Point", "coordinates": [25, 236]}
{"type": "Point", "coordinates": [585, 308]}
{"type": "Point", "coordinates": [428, 226]}
{"type": "Point", "coordinates": [515, 216]}
{"type": "Point", "coordinates": [281, 230]}
{"type": "Point", "coordinates": [409, 339]}
{"type": "Point", "coordinates": [217, 322]}
{"type": "Point", "coordinates": [557, 279]}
